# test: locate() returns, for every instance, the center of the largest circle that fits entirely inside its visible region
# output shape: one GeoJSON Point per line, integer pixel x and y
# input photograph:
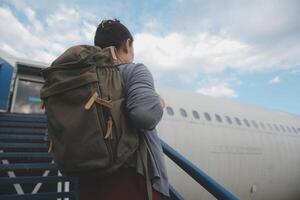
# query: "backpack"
{"type": "Point", "coordinates": [88, 127]}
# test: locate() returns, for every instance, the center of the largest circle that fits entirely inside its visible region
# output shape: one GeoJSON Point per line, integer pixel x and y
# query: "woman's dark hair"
{"type": "Point", "coordinates": [111, 33]}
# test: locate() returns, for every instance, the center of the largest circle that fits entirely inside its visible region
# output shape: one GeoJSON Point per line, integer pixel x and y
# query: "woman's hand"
{"type": "Point", "coordinates": [162, 102]}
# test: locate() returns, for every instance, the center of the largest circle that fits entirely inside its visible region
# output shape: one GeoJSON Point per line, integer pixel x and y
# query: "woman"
{"type": "Point", "coordinates": [145, 108]}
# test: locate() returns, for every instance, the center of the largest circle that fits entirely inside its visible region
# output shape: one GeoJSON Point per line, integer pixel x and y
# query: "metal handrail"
{"type": "Point", "coordinates": [213, 187]}
{"type": "Point", "coordinates": [174, 195]}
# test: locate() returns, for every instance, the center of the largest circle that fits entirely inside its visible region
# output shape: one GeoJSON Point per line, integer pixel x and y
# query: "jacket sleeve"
{"type": "Point", "coordinates": [142, 101]}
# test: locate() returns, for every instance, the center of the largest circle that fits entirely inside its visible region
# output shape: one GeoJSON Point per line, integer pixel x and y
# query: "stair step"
{"type": "Point", "coordinates": [28, 115]}
{"type": "Point", "coordinates": [6, 146]}
{"type": "Point", "coordinates": [23, 124]}
{"type": "Point", "coordinates": [23, 119]}
{"type": "Point", "coordinates": [28, 166]}
{"type": "Point", "coordinates": [28, 131]}
{"type": "Point", "coordinates": [38, 196]}
{"type": "Point", "coordinates": [34, 179]}
{"type": "Point", "coordinates": [24, 140]}
{"type": "Point", "coordinates": [37, 155]}
{"type": "Point", "coordinates": [27, 138]}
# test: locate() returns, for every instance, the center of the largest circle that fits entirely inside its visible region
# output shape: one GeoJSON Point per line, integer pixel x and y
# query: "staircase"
{"type": "Point", "coordinates": [27, 170]}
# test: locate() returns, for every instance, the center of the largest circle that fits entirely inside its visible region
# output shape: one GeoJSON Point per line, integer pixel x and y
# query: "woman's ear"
{"type": "Point", "coordinates": [125, 52]}
{"type": "Point", "coordinates": [126, 46]}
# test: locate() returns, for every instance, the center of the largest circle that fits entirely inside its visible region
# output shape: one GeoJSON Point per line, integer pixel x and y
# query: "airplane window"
{"type": "Point", "coordinates": [169, 110]}
{"type": "Point", "coordinates": [262, 125]}
{"type": "Point", "coordinates": [238, 121]}
{"type": "Point", "coordinates": [219, 119]}
{"type": "Point", "coordinates": [246, 122]}
{"type": "Point", "coordinates": [282, 128]}
{"type": "Point", "coordinates": [195, 114]}
{"type": "Point", "coordinates": [270, 127]}
{"type": "Point", "coordinates": [183, 112]}
{"type": "Point", "coordinates": [228, 119]}
{"type": "Point", "coordinates": [276, 127]}
{"type": "Point", "coordinates": [254, 124]}
{"type": "Point", "coordinates": [288, 128]}
{"type": "Point", "coordinates": [294, 130]}
{"type": "Point", "coordinates": [207, 116]}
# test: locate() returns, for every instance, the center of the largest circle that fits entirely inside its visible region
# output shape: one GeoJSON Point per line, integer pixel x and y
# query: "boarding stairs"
{"type": "Point", "coordinates": [27, 170]}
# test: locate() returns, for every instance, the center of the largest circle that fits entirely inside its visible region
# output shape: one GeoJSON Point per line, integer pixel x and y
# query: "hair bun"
{"type": "Point", "coordinates": [108, 23]}
{"type": "Point", "coordinates": [111, 33]}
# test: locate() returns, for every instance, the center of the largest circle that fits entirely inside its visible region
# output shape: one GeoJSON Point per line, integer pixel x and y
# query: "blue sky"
{"type": "Point", "coordinates": [247, 51]}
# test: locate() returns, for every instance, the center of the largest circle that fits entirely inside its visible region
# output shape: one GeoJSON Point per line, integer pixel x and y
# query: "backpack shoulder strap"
{"type": "Point", "coordinates": [145, 161]}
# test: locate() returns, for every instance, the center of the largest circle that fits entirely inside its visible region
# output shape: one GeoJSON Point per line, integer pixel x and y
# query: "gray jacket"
{"type": "Point", "coordinates": [145, 111]}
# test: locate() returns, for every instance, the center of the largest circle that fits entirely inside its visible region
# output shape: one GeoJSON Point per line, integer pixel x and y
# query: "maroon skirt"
{"type": "Point", "coordinates": [123, 185]}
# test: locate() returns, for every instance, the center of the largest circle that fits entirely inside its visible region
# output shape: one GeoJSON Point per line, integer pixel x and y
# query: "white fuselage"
{"type": "Point", "coordinates": [253, 162]}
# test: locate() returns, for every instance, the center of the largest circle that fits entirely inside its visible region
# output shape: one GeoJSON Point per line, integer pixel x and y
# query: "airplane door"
{"type": "Point", "coordinates": [26, 98]}
{"type": "Point", "coordinates": [26, 90]}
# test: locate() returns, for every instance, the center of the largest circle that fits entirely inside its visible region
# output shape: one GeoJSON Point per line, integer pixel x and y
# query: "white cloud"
{"type": "Point", "coordinates": [209, 53]}
{"type": "Point", "coordinates": [36, 24]}
{"type": "Point", "coordinates": [259, 36]}
{"type": "Point", "coordinates": [14, 35]}
{"type": "Point", "coordinates": [258, 22]}
{"type": "Point", "coordinates": [220, 90]}
{"type": "Point", "coordinates": [43, 39]}
{"type": "Point", "coordinates": [261, 19]}
{"type": "Point", "coordinates": [177, 51]}
{"type": "Point", "coordinates": [275, 80]}
{"type": "Point", "coordinates": [11, 50]}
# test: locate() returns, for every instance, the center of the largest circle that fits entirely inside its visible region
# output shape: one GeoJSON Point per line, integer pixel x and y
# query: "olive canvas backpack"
{"type": "Point", "coordinates": [89, 129]}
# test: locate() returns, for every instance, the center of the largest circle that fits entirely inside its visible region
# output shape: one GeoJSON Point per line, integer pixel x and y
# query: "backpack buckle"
{"type": "Point", "coordinates": [95, 98]}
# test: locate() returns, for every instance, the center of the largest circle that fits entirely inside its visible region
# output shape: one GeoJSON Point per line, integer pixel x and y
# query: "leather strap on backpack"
{"type": "Point", "coordinates": [145, 160]}
{"type": "Point", "coordinates": [94, 98]}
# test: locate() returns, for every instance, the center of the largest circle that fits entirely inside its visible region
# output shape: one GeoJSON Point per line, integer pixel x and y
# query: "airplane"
{"type": "Point", "coordinates": [252, 151]}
